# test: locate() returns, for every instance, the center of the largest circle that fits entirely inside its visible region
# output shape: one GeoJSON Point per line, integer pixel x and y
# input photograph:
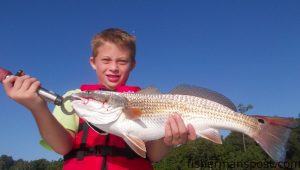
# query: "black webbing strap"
{"type": "Point", "coordinates": [81, 125]}
{"type": "Point", "coordinates": [80, 153]}
{"type": "Point", "coordinates": [104, 166]}
{"type": "Point", "coordinates": [102, 150]}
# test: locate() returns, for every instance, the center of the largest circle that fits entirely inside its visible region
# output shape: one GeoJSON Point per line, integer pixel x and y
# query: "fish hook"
{"type": "Point", "coordinates": [63, 106]}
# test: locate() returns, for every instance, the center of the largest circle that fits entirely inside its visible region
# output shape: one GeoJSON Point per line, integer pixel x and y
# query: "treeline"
{"type": "Point", "coordinates": [8, 163]}
{"type": "Point", "coordinates": [205, 155]}
{"type": "Point", "coordinates": [199, 154]}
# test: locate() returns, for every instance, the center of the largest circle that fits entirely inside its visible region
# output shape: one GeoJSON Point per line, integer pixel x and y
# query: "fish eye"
{"type": "Point", "coordinates": [260, 120]}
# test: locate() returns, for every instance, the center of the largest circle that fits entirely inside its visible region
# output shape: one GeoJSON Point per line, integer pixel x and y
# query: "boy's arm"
{"type": "Point", "coordinates": [175, 133]}
{"type": "Point", "coordinates": [52, 132]}
{"type": "Point", "coordinates": [24, 91]}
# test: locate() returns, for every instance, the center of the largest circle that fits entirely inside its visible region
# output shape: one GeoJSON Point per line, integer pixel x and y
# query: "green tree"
{"type": "Point", "coordinates": [55, 165]}
{"type": "Point", "coordinates": [6, 162]}
{"type": "Point", "coordinates": [243, 109]}
{"type": "Point", "coordinates": [293, 145]}
{"type": "Point", "coordinates": [20, 165]}
{"type": "Point", "coordinates": [177, 159]}
{"type": "Point", "coordinates": [40, 164]}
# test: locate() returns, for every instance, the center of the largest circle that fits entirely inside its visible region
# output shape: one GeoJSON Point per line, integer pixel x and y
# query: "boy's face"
{"type": "Point", "coordinates": [112, 65]}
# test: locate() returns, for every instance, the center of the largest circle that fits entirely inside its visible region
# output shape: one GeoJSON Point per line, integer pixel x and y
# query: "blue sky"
{"type": "Point", "coordinates": [247, 50]}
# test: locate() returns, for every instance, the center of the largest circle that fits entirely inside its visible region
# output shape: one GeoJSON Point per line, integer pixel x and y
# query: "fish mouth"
{"type": "Point", "coordinates": [86, 99]}
{"type": "Point", "coordinates": [77, 97]}
{"type": "Point", "coordinates": [107, 100]}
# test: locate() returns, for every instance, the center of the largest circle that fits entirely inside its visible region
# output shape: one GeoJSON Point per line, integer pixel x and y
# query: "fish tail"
{"type": "Point", "coordinates": [273, 135]}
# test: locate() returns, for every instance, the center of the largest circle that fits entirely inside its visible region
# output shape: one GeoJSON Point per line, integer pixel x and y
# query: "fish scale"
{"type": "Point", "coordinates": [156, 105]}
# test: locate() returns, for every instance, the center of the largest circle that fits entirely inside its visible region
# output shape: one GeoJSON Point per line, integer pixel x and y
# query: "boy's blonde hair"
{"type": "Point", "coordinates": [117, 36]}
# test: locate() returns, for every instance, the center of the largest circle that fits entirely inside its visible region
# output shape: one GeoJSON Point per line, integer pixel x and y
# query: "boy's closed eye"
{"type": "Point", "coordinates": [123, 62]}
{"type": "Point", "coordinates": [105, 60]}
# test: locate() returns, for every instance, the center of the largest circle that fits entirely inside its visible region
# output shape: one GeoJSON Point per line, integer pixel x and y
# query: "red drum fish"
{"type": "Point", "coordinates": [140, 117]}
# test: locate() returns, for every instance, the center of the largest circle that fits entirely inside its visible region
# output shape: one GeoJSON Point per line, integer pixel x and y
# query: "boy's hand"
{"type": "Point", "coordinates": [24, 91]}
{"type": "Point", "coordinates": [176, 132]}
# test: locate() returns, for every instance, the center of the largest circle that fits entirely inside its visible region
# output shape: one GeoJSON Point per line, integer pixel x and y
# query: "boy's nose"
{"type": "Point", "coordinates": [114, 66]}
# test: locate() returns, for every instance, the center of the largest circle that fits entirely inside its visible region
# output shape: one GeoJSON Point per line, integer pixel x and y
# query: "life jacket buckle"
{"type": "Point", "coordinates": [105, 151]}
{"type": "Point", "coordinates": [80, 155]}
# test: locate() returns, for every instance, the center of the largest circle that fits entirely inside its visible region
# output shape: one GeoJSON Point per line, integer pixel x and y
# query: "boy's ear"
{"type": "Point", "coordinates": [92, 62]}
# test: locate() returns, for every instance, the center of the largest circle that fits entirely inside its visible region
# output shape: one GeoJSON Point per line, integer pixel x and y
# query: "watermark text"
{"type": "Point", "coordinates": [218, 164]}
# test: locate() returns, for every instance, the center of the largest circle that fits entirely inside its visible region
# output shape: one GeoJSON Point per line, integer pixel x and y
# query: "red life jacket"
{"type": "Point", "coordinates": [93, 151]}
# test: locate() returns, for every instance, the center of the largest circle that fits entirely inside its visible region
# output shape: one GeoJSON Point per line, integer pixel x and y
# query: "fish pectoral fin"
{"type": "Point", "coordinates": [211, 134]}
{"type": "Point", "coordinates": [133, 113]}
{"type": "Point", "coordinates": [136, 144]}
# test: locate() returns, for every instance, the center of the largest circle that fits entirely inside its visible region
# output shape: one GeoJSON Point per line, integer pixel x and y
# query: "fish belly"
{"type": "Point", "coordinates": [145, 130]}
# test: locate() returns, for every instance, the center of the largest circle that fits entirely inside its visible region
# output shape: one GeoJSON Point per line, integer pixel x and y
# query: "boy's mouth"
{"type": "Point", "coordinates": [113, 78]}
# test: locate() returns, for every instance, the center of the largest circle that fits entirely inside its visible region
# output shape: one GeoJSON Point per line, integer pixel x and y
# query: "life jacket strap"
{"type": "Point", "coordinates": [105, 153]}
{"type": "Point", "coordinates": [102, 150]}
{"type": "Point", "coordinates": [80, 154]}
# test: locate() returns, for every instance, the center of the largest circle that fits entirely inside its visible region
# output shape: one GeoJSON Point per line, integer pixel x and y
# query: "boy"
{"type": "Point", "coordinates": [113, 58]}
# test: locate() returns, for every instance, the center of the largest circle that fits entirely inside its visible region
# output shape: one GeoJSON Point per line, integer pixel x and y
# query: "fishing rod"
{"type": "Point", "coordinates": [47, 95]}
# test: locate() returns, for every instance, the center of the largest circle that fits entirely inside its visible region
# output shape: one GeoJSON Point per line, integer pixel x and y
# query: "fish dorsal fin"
{"type": "Point", "coordinates": [136, 144]}
{"type": "Point", "coordinates": [204, 93]}
{"type": "Point", "coordinates": [211, 134]}
{"type": "Point", "coordinates": [133, 113]}
{"type": "Point", "coordinates": [149, 90]}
